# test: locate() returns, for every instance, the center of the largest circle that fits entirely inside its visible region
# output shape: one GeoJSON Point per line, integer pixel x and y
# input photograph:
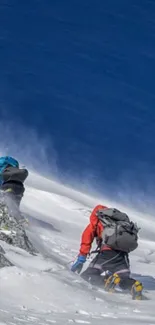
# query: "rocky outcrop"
{"type": "Point", "coordinates": [12, 229]}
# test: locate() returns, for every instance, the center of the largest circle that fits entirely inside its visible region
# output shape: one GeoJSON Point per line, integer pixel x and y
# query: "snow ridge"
{"type": "Point", "coordinates": [31, 295]}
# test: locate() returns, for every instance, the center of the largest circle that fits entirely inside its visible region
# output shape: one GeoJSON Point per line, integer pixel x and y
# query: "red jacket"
{"type": "Point", "coordinates": [93, 230]}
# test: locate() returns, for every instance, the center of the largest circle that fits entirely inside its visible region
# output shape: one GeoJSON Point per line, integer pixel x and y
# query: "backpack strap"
{"type": "Point", "coordinates": [95, 230]}
{"type": "Point", "coordinates": [97, 250]}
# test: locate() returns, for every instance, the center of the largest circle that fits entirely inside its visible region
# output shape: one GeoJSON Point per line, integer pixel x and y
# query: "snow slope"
{"type": "Point", "coordinates": [32, 295]}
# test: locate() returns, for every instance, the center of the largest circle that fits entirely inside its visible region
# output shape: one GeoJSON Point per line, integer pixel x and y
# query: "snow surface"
{"type": "Point", "coordinates": [41, 289]}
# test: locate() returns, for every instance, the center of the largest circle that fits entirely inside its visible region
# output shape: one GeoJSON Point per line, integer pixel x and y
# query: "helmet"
{"type": "Point", "coordinates": [8, 161]}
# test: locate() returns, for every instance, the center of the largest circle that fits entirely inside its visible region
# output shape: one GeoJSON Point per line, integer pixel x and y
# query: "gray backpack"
{"type": "Point", "coordinates": [119, 232]}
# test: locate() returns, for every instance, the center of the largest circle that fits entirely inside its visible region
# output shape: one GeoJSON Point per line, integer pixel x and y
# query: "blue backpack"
{"type": "Point", "coordinates": [4, 162]}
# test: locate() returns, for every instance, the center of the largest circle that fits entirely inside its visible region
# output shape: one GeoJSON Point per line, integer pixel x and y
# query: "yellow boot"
{"type": "Point", "coordinates": [136, 291]}
{"type": "Point", "coordinates": [111, 282]}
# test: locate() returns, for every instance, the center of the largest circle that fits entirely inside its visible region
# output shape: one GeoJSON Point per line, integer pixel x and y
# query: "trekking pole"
{"type": "Point", "coordinates": [59, 269]}
{"type": "Point", "coordinates": [97, 250]}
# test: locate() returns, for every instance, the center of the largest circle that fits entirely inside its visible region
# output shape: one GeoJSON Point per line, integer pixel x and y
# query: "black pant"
{"type": "Point", "coordinates": [112, 261]}
{"type": "Point", "coordinates": [14, 191]}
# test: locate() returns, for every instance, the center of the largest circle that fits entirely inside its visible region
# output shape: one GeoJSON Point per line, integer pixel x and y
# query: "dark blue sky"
{"type": "Point", "coordinates": [81, 74]}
